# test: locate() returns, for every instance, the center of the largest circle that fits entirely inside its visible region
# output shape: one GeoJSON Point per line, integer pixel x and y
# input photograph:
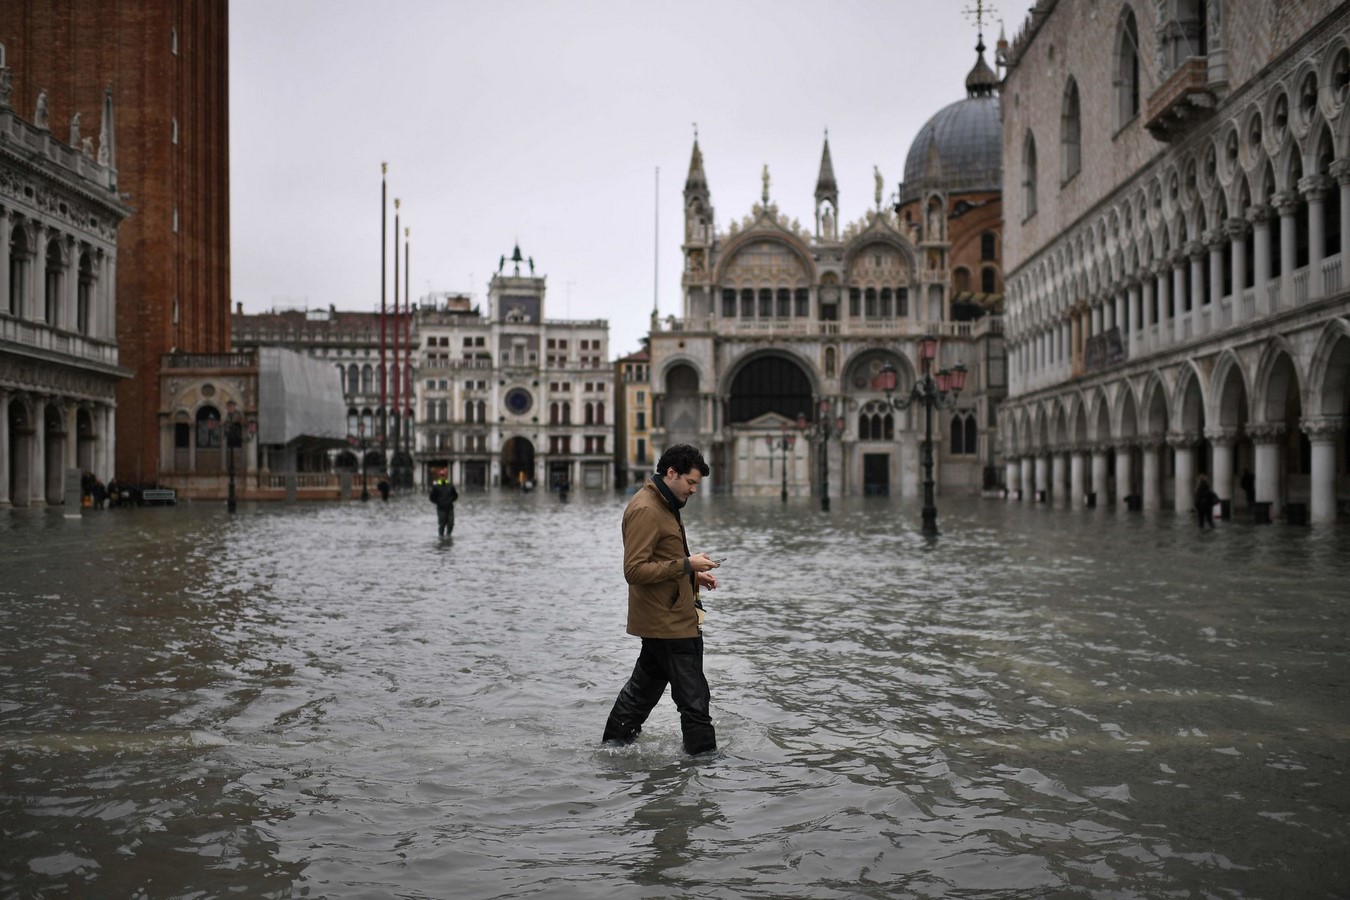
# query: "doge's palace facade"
{"type": "Point", "coordinates": [1177, 211]}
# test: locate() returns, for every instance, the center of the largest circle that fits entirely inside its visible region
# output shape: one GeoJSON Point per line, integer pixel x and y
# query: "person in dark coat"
{"type": "Point", "coordinates": [1205, 498]}
{"type": "Point", "coordinates": [444, 495]}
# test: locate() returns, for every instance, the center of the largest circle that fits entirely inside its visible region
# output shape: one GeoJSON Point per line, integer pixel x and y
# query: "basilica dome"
{"type": "Point", "coordinates": [961, 147]}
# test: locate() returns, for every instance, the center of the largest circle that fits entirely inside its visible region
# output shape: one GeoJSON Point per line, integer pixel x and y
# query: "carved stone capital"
{"type": "Point", "coordinates": [1322, 428]}
{"type": "Point", "coordinates": [1259, 215]}
{"type": "Point", "coordinates": [1183, 440]}
{"type": "Point", "coordinates": [1266, 433]}
{"type": "Point", "coordinates": [1286, 202]}
{"type": "Point", "coordinates": [1196, 250]}
{"type": "Point", "coordinates": [1221, 437]}
{"type": "Point", "coordinates": [1314, 187]}
{"type": "Point", "coordinates": [1215, 239]}
{"type": "Point", "coordinates": [1236, 228]}
{"type": "Point", "coordinates": [1340, 170]}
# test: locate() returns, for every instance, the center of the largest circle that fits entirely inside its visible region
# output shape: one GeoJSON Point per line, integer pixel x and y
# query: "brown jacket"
{"type": "Point", "coordinates": [660, 583]}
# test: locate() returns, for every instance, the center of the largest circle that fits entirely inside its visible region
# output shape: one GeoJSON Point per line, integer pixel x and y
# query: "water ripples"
{"type": "Point", "coordinates": [330, 701]}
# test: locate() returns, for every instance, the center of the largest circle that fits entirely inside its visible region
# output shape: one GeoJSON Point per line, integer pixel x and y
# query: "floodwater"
{"type": "Point", "coordinates": [328, 701]}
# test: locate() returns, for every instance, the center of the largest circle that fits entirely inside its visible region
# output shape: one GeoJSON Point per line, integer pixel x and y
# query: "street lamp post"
{"type": "Point", "coordinates": [823, 429]}
{"type": "Point", "coordinates": [940, 392]}
{"type": "Point", "coordinates": [783, 443]}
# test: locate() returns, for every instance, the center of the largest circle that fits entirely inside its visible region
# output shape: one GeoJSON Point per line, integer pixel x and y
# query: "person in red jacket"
{"type": "Point", "coordinates": [663, 605]}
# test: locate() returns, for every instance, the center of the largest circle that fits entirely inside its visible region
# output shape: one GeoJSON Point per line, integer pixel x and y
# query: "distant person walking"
{"type": "Point", "coordinates": [1205, 498]}
{"type": "Point", "coordinates": [444, 495]}
{"type": "Point", "coordinates": [663, 606]}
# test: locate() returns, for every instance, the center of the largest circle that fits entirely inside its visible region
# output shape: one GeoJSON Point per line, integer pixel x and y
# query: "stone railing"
{"type": "Point", "coordinates": [40, 336]}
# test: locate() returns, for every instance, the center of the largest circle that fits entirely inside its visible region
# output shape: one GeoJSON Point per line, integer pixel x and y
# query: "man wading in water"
{"type": "Point", "coordinates": [663, 609]}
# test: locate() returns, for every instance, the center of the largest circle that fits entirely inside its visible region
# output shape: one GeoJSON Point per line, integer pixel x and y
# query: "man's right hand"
{"type": "Point", "coordinates": [701, 562]}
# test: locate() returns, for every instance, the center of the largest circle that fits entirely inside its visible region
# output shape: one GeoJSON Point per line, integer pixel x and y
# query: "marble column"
{"type": "Point", "coordinates": [1322, 433]}
{"type": "Point", "coordinates": [70, 286]}
{"type": "Point", "coordinates": [1028, 485]}
{"type": "Point", "coordinates": [5, 449]}
{"type": "Point", "coordinates": [36, 287]}
{"type": "Point", "coordinates": [1236, 230]}
{"type": "Point", "coordinates": [1163, 307]}
{"type": "Point", "coordinates": [1099, 479]}
{"type": "Point", "coordinates": [1132, 315]}
{"type": "Point", "coordinates": [1215, 240]}
{"type": "Point", "coordinates": [1183, 484]}
{"type": "Point", "coordinates": [1124, 487]}
{"type": "Point", "coordinates": [1199, 255]}
{"type": "Point", "coordinates": [1152, 492]}
{"type": "Point", "coordinates": [1180, 296]}
{"type": "Point", "coordinates": [1059, 480]}
{"type": "Point", "coordinates": [1077, 486]}
{"type": "Point", "coordinates": [37, 460]}
{"type": "Point", "coordinates": [1042, 475]}
{"type": "Point", "coordinates": [6, 232]}
{"type": "Point", "coordinates": [1314, 188]}
{"type": "Point", "coordinates": [1267, 439]}
{"type": "Point", "coordinates": [1341, 170]}
{"type": "Point", "coordinates": [1010, 475]}
{"type": "Point", "coordinates": [1286, 203]}
{"type": "Point", "coordinates": [1221, 444]}
{"type": "Point", "coordinates": [1259, 217]}
{"type": "Point", "coordinates": [1147, 309]}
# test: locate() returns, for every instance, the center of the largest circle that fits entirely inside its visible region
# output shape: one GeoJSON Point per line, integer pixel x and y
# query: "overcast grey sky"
{"type": "Point", "coordinates": [544, 121]}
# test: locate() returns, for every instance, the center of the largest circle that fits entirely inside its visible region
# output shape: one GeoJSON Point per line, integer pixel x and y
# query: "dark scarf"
{"type": "Point", "coordinates": [675, 507]}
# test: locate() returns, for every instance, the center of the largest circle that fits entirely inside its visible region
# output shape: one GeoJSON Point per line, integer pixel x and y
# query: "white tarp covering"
{"type": "Point", "coordinates": [298, 397]}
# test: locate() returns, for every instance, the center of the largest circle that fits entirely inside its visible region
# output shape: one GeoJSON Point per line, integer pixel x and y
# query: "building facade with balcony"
{"type": "Point", "coordinates": [781, 320]}
{"type": "Point", "coordinates": [511, 398]}
{"type": "Point", "coordinates": [1176, 298]}
{"type": "Point", "coordinates": [59, 367]}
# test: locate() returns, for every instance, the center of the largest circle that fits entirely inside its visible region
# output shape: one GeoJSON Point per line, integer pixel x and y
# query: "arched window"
{"type": "Point", "coordinates": [482, 411]}
{"type": "Point", "coordinates": [208, 428]}
{"type": "Point", "coordinates": [553, 414]}
{"type": "Point", "coordinates": [1029, 176]}
{"type": "Point", "coordinates": [888, 427]}
{"type": "Point", "coordinates": [728, 304]}
{"type": "Point", "coordinates": [988, 280]}
{"type": "Point", "coordinates": [443, 411]}
{"type": "Point", "coordinates": [1127, 69]}
{"type": "Point", "coordinates": [971, 436]}
{"type": "Point", "coordinates": [1071, 131]}
{"type": "Point", "coordinates": [988, 247]}
{"type": "Point", "coordinates": [600, 413]}
{"type": "Point", "coordinates": [864, 427]}
{"type": "Point", "coordinates": [52, 284]}
{"type": "Point", "coordinates": [367, 379]}
{"type": "Point", "coordinates": [961, 280]}
{"type": "Point", "coordinates": [431, 410]}
{"type": "Point", "coordinates": [567, 412]}
{"type": "Point", "coordinates": [20, 251]}
{"type": "Point", "coordinates": [353, 383]}
{"type": "Point", "coordinates": [468, 410]}
{"type": "Point", "coordinates": [589, 414]}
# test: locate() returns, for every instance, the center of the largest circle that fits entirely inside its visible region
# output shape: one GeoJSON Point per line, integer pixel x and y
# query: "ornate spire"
{"type": "Point", "coordinates": [982, 81]}
{"type": "Point", "coordinates": [826, 187]}
{"type": "Point", "coordinates": [697, 182]}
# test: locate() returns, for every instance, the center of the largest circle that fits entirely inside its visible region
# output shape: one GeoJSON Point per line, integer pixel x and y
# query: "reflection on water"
{"type": "Point", "coordinates": [330, 701]}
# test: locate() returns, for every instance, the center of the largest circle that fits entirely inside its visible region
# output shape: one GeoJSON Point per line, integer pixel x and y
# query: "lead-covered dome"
{"type": "Point", "coordinates": [961, 147]}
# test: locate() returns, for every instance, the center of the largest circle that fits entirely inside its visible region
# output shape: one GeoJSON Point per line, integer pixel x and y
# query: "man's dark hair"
{"type": "Point", "coordinates": [682, 458]}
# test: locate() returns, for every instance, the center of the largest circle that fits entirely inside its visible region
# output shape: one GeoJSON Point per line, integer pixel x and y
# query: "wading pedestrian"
{"type": "Point", "coordinates": [663, 606]}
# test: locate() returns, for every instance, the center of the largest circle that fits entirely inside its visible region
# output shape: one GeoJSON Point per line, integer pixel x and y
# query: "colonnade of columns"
{"type": "Point", "coordinates": [1179, 295]}
{"type": "Point", "coordinates": [1040, 474]}
{"type": "Point", "coordinates": [34, 455]}
{"type": "Point", "coordinates": [96, 318]}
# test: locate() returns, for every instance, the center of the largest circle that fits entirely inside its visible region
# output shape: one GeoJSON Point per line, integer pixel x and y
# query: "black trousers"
{"type": "Point", "coordinates": [445, 519]}
{"type": "Point", "coordinates": [679, 663]}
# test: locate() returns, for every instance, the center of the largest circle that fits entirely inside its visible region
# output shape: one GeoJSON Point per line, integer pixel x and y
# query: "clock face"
{"type": "Point", "coordinates": [518, 401]}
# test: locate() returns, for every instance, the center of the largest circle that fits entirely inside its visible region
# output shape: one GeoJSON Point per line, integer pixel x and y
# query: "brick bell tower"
{"type": "Point", "coordinates": [166, 65]}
